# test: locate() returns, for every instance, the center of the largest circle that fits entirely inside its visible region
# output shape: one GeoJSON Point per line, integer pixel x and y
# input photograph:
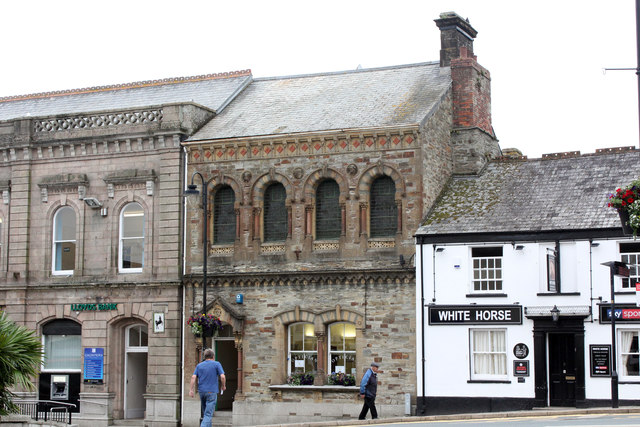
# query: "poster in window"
{"type": "Point", "coordinates": [551, 273]}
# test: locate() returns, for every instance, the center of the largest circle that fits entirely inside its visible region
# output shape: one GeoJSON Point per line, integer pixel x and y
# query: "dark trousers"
{"type": "Point", "coordinates": [369, 404]}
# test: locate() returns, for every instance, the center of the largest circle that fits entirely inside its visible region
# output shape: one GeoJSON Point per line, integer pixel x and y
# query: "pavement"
{"type": "Point", "coordinates": [479, 415]}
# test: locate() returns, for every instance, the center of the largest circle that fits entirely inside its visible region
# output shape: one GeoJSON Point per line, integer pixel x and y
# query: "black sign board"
{"type": "Point", "coordinates": [625, 313]}
{"type": "Point", "coordinates": [600, 360]}
{"type": "Point", "coordinates": [475, 314]}
{"type": "Point", "coordinates": [520, 350]}
{"type": "Point", "coordinates": [520, 368]}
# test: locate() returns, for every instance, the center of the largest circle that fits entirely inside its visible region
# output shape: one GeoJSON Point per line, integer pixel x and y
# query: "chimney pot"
{"type": "Point", "coordinates": [455, 33]}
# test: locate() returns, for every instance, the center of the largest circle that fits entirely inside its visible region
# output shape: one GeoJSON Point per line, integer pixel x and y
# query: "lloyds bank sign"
{"type": "Point", "coordinates": [94, 307]}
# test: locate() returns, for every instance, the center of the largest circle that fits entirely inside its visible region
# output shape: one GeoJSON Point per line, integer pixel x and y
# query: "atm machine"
{"type": "Point", "coordinates": [59, 387]}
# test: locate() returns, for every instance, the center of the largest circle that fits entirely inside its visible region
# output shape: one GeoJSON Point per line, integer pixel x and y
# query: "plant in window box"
{"type": "Point", "coordinates": [626, 201]}
{"type": "Point", "coordinates": [301, 378]}
{"type": "Point", "coordinates": [340, 378]}
{"type": "Point", "coordinates": [204, 324]}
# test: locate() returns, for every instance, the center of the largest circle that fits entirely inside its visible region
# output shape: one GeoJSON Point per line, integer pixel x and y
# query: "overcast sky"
{"type": "Point", "coordinates": [546, 58]}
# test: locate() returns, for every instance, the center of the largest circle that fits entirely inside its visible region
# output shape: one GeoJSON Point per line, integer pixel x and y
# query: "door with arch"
{"type": "Point", "coordinates": [227, 354]}
{"type": "Point", "coordinates": [135, 370]}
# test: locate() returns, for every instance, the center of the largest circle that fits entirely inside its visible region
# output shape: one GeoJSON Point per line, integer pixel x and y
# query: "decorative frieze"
{"type": "Point", "coordinates": [97, 121]}
{"type": "Point", "coordinates": [272, 249]}
{"type": "Point", "coordinates": [381, 244]}
{"type": "Point", "coordinates": [326, 246]}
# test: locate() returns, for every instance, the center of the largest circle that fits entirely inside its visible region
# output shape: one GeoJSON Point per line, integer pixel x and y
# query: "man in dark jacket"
{"type": "Point", "coordinates": [368, 390]}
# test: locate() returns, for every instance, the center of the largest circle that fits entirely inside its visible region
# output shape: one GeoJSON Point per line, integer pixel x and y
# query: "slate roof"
{"type": "Point", "coordinates": [212, 91]}
{"type": "Point", "coordinates": [534, 195]}
{"type": "Point", "coordinates": [368, 98]}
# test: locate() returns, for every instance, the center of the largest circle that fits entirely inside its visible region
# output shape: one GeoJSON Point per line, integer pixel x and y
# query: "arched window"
{"type": "Point", "coordinates": [62, 345]}
{"type": "Point", "coordinates": [342, 348]}
{"type": "Point", "coordinates": [303, 348]}
{"type": "Point", "coordinates": [131, 250]}
{"type": "Point", "coordinates": [275, 213]}
{"type": "Point", "coordinates": [328, 215]}
{"type": "Point", "coordinates": [224, 216]}
{"type": "Point", "coordinates": [137, 338]}
{"type": "Point", "coordinates": [64, 241]}
{"type": "Point", "coordinates": [383, 209]}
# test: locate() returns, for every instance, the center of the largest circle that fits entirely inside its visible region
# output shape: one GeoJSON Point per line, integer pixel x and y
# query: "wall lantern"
{"type": "Point", "coordinates": [555, 314]}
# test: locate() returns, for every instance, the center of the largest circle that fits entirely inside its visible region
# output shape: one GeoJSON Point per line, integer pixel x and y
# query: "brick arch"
{"type": "Point", "coordinates": [261, 184]}
{"type": "Point", "coordinates": [315, 178]}
{"type": "Point", "coordinates": [339, 314]}
{"type": "Point", "coordinates": [296, 315]}
{"type": "Point", "coordinates": [381, 169]}
{"type": "Point", "coordinates": [218, 182]}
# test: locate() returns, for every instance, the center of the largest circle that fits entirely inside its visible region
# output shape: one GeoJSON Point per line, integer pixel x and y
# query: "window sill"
{"type": "Point", "coordinates": [625, 292]}
{"type": "Point", "coordinates": [328, 388]}
{"type": "Point", "coordinates": [636, 382]}
{"type": "Point", "coordinates": [488, 295]}
{"type": "Point", "coordinates": [488, 382]}
{"type": "Point", "coordinates": [550, 294]}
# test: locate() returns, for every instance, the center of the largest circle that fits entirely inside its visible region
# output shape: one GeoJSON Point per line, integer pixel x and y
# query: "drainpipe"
{"type": "Point", "coordinates": [422, 326]}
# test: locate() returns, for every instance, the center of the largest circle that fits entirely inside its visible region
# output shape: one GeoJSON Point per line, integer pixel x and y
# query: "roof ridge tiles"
{"type": "Point", "coordinates": [131, 85]}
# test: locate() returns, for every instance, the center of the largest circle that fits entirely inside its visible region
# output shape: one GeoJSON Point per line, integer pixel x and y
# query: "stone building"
{"type": "Point", "coordinates": [90, 238]}
{"type": "Point", "coordinates": [315, 186]}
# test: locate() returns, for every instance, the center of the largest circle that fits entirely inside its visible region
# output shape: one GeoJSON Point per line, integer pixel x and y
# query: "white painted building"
{"type": "Point", "coordinates": [512, 298]}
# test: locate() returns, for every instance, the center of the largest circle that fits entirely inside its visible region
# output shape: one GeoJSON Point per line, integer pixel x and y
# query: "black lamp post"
{"type": "Point", "coordinates": [192, 189]}
{"type": "Point", "coordinates": [616, 268]}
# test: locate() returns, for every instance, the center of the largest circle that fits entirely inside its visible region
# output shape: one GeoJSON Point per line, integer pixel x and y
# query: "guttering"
{"type": "Point", "coordinates": [527, 236]}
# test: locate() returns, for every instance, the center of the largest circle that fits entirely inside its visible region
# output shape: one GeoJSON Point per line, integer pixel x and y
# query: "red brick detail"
{"type": "Point", "coordinates": [471, 93]}
{"type": "Point", "coordinates": [280, 149]}
{"type": "Point", "coordinates": [369, 142]}
{"type": "Point", "coordinates": [207, 154]}
{"type": "Point", "coordinates": [292, 148]}
{"type": "Point", "coordinates": [343, 144]}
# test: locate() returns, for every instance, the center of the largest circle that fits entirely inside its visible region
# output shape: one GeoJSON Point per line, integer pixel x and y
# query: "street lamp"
{"type": "Point", "coordinates": [192, 189]}
{"type": "Point", "coordinates": [616, 268]}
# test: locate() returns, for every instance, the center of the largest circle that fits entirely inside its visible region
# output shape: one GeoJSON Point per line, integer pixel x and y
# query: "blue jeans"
{"type": "Point", "coordinates": [207, 406]}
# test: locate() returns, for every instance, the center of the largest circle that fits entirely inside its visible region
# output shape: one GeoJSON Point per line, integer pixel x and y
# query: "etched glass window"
{"type": "Point", "coordinates": [64, 241]}
{"type": "Point", "coordinates": [630, 254]}
{"type": "Point", "coordinates": [224, 216]}
{"type": "Point", "coordinates": [328, 215]}
{"type": "Point", "coordinates": [488, 353]}
{"type": "Point", "coordinates": [383, 210]}
{"type": "Point", "coordinates": [275, 213]}
{"type": "Point", "coordinates": [303, 348]}
{"type": "Point", "coordinates": [487, 269]}
{"type": "Point", "coordinates": [342, 348]}
{"type": "Point", "coordinates": [131, 253]}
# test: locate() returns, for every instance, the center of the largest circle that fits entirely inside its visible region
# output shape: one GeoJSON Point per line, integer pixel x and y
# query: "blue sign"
{"type": "Point", "coordinates": [94, 365]}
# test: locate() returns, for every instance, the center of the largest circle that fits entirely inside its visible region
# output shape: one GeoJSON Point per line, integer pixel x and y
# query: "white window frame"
{"type": "Point", "coordinates": [623, 352]}
{"type": "Point", "coordinates": [303, 351]}
{"type": "Point", "coordinates": [496, 273]}
{"type": "Point", "coordinates": [121, 240]}
{"type": "Point", "coordinates": [345, 353]}
{"type": "Point", "coordinates": [491, 352]}
{"type": "Point", "coordinates": [54, 246]}
{"type": "Point", "coordinates": [632, 259]}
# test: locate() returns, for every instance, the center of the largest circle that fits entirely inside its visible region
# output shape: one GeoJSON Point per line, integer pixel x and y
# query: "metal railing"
{"type": "Point", "coordinates": [46, 410]}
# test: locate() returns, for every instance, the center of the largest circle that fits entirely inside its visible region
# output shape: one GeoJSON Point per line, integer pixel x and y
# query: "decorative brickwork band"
{"type": "Point", "coordinates": [100, 120]}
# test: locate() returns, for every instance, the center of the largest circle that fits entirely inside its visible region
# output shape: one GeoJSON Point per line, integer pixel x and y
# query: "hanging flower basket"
{"type": "Point", "coordinates": [204, 325]}
{"type": "Point", "coordinates": [626, 201]}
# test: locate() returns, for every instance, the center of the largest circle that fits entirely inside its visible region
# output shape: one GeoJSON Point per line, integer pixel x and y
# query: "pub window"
{"type": "Point", "coordinates": [303, 348]}
{"type": "Point", "coordinates": [487, 269]}
{"type": "Point", "coordinates": [224, 216]}
{"type": "Point", "coordinates": [131, 250]}
{"type": "Point", "coordinates": [64, 241]}
{"type": "Point", "coordinates": [62, 344]}
{"type": "Point", "coordinates": [328, 215]}
{"type": "Point", "coordinates": [383, 210]}
{"type": "Point", "coordinates": [630, 254]}
{"type": "Point", "coordinates": [342, 348]}
{"type": "Point", "coordinates": [275, 213]}
{"type": "Point", "coordinates": [488, 354]}
{"type": "Point", "coordinates": [629, 354]}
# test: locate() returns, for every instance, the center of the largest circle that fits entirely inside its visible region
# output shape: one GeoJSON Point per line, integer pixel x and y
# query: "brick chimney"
{"type": "Point", "coordinates": [473, 139]}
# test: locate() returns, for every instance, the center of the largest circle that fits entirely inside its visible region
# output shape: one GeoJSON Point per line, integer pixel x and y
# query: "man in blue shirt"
{"type": "Point", "coordinates": [368, 390]}
{"type": "Point", "coordinates": [206, 373]}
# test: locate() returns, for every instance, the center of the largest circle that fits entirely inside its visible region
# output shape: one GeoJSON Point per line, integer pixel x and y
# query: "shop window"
{"type": "Point", "coordinates": [487, 269]}
{"type": "Point", "coordinates": [383, 210]}
{"type": "Point", "coordinates": [488, 354]}
{"type": "Point", "coordinates": [328, 215]}
{"type": "Point", "coordinates": [275, 213]}
{"type": "Point", "coordinates": [629, 354]}
{"type": "Point", "coordinates": [131, 250]}
{"type": "Point", "coordinates": [630, 254]}
{"type": "Point", "coordinates": [303, 348]}
{"type": "Point", "coordinates": [64, 241]}
{"type": "Point", "coordinates": [224, 216]}
{"type": "Point", "coordinates": [62, 346]}
{"type": "Point", "coordinates": [342, 348]}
